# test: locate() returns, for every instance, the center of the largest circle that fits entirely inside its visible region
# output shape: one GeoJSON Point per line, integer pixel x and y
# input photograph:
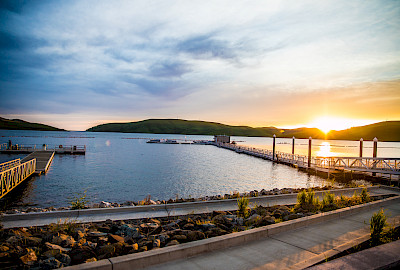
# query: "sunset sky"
{"type": "Point", "coordinates": [76, 64]}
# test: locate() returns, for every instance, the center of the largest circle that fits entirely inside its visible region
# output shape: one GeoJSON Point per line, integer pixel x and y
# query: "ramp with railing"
{"type": "Point", "coordinates": [14, 173]}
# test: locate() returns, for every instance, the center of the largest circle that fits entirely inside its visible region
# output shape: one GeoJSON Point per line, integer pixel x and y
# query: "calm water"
{"type": "Point", "coordinates": [119, 167]}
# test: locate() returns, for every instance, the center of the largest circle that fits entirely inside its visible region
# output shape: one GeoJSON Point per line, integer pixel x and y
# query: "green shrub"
{"type": "Point", "coordinates": [329, 202]}
{"type": "Point", "coordinates": [306, 200]}
{"type": "Point", "coordinates": [243, 207]}
{"type": "Point", "coordinates": [79, 201]}
{"type": "Point", "coordinates": [365, 198]}
{"type": "Point", "coordinates": [377, 224]}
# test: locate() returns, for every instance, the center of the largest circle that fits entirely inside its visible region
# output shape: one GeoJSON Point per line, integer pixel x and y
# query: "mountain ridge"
{"type": "Point", "coordinates": [384, 131]}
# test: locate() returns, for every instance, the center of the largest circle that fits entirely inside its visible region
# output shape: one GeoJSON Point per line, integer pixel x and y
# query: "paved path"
{"type": "Point", "coordinates": [285, 250]}
{"type": "Point", "coordinates": [121, 213]}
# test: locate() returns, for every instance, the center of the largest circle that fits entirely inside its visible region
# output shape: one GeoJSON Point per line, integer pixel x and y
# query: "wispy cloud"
{"type": "Point", "coordinates": [134, 57]}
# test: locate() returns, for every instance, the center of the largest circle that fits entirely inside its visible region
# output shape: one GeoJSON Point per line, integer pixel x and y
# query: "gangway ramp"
{"type": "Point", "coordinates": [43, 160]}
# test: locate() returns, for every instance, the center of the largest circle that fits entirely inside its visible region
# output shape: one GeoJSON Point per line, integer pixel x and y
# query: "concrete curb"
{"type": "Point", "coordinates": [264, 200]}
{"type": "Point", "coordinates": [152, 257]}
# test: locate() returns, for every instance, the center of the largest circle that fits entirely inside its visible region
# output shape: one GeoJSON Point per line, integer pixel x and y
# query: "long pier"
{"type": "Point", "coordinates": [372, 165]}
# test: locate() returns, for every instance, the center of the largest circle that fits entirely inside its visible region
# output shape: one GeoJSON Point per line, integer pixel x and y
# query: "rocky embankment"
{"type": "Point", "coordinates": [69, 243]}
{"type": "Point", "coordinates": [149, 201]}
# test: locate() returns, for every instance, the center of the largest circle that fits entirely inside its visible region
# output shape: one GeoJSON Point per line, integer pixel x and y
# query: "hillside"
{"type": "Point", "coordinates": [385, 131]}
{"type": "Point", "coordinates": [17, 124]}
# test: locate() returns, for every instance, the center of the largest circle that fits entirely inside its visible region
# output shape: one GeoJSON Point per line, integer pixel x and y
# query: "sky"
{"type": "Point", "coordinates": [77, 64]}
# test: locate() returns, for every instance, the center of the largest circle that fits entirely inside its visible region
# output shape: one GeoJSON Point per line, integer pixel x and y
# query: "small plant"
{"type": "Point", "coordinates": [236, 194]}
{"type": "Point", "coordinates": [328, 202]}
{"type": "Point", "coordinates": [306, 200]}
{"type": "Point", "coordinates": [67, 226]}
{"type": "Point", "coordinates": [243, 207]}
{"type": "Point", "coordinates": [365, 198]}
{"type": "Point", "coordinates": [79, 201]}
{"type": "Point", "coordinates": [377, 224]}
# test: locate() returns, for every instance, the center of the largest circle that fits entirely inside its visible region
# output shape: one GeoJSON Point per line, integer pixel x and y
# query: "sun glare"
{"type": "Point", "coordinates": [327, 123]}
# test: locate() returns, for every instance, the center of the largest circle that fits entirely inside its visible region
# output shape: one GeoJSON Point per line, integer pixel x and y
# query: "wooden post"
{"type": "Point", "coordinates": [375, 151]}
{"type": "Point", "coordinates": [293, 145]}
{"type": "Point", "coordinates": [361, 147]}
{"type": "Point", "coordinates": [273, 147]}
{"type": "Point", "coordinates": [309, 152]}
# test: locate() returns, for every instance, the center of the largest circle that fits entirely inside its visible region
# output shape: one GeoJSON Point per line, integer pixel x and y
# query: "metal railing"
{"type": "Point", "coordinates": [12, 177]}
{"type": "Point", "coordinates": [37, 147]}
{"type": "Point", "coordinates": [361, 164]}
{"type": "Point", "coordinates": [9, 164]}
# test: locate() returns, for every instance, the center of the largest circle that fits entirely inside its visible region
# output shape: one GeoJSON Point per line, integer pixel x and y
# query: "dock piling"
{"type": "Point", "coordinates": [273, 147]}
{"type": "Point", "coordinates": [309, 152]}
{"type": "Point", "coordinates": [361, 147]}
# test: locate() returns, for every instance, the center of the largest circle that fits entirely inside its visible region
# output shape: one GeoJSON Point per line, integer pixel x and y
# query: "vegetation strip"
{"type": "Point", "coordinates": [80, 243]}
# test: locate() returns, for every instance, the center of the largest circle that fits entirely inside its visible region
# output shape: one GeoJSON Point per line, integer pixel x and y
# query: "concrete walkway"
{"type": "Point", "coordinates": [295, 249]}
{"type": "Point", "coordinates": [381, 257]}
{"type": "Point", "coordinates": [154, 211]}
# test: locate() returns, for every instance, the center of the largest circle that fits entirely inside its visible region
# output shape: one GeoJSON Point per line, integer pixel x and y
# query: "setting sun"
{"type": "Point", "coordinates": [327, 123]}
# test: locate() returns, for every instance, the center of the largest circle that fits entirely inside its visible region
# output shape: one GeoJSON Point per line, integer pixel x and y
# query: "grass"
{"type": "Point", "coordinates": [67, 226]}
{"type": "Point", "coordinates": [243, 207]}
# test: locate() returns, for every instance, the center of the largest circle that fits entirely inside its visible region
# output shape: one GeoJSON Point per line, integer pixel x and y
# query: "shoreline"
{"type": "Point", "coordinates": [148, 201]}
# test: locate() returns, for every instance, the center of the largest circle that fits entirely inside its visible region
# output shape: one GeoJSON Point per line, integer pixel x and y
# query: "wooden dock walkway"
{"type": "Point", "coordinates": [43, 160]}
{"type": "Point", "coordinates": [370, 165]}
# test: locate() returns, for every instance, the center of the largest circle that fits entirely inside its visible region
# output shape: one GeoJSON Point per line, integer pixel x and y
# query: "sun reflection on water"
{"type": "Point", "coordinates": [325, 150]}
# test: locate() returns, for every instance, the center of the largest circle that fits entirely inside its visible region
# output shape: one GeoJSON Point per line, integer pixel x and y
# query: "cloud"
{"type": "Point", "coordinates": [130, 57]}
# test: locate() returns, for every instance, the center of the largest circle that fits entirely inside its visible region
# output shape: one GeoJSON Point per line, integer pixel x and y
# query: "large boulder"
{"type": "Point", "coordinates": [195, 235]}
{"type": "Point", "coordinates": [29, 258]}
{"type": "Point", "coordinates": [80, 255]}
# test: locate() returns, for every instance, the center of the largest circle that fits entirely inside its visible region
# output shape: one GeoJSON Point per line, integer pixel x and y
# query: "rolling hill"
{"type": "Point", "coordinates": [17, 124]}
{"type": "Point", "coordinates": [385, 131]}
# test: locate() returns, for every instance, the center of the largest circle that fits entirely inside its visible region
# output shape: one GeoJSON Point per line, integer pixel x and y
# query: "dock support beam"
{"type": "Point", "coordinates": [273, 147]}
{"type": "Point", "coordinates": [293, 139]}
{"type": "Point", "coordinates": [309, 152]}
{"type": "Point", "coordinates": [361, 147]}
{"type": "Point", "coordinates": [375, 151]}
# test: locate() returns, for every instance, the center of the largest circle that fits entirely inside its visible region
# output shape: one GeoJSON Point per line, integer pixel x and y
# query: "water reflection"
{"type": "Point", "coordinates": [325, 150]}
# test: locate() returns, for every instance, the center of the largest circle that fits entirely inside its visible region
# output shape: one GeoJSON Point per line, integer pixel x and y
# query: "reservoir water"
{"type": "Point", "coordinates": [121, 167]}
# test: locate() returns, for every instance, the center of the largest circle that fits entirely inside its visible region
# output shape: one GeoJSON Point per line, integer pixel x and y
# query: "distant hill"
{"type": "Point", "coordinates": [385, 131]}
{"type": "Point", "coordinates": [18, 124]}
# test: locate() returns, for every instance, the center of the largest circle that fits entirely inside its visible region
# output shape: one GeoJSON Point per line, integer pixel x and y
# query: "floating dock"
{"type": "Point", "coordinates": [43, 160]}
{"type": "Point", "coordinates": [30, 148]}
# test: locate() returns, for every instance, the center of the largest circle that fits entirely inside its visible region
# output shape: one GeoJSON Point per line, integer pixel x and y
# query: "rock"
{"type": "Point", "coordinates": [13, 240]}
{"type": "Point", "coordinates": [30, 258]}
{"type": "Point", "coordinates": [106, 251]}
{"type": "Point", "coordinates": [157, 243]}
{"type": "Point", "coordinates": [104, 204]}
{"type": "Point", "coordinates": [56, 247]}
{"type": "Point", "coordinates": [4, 248]}
{"type": "Point", "coordinates": [80, 255]}
{"type": "Point", "coordinates": [216, 213]}
{"type": "Point", "coordinates": [292, 216]}
{"type": "Point", "coordinates": [188, 226]}
{"type": "Point", "coordinates": [33, 241]}
{"type": "Point", "coordinates": [181, 238]}
{"type": "Point", "coordinates": [128, 230]}
{"type": "Point", "coordinates": [132, 248]}
{"type": "Point", "coordinates": [156, 230]}
{"type": "Point", "coordinates": [69, 242]}
{"type": "Point", "coordinates": [195, 235]}
{"type": "Point", "coordinates": [91, 260]}
{"type": "Point", "coordinates": [222, 220]}
{"type": "Point", "coordinates": [51, 253]}
{"type": "Point", "coordinates": [80, 235]}
{"type": "Point", "coordinates": [58, 240]}
{"type": "Point", "coordinates": [253, 219]}
{"type": "Point", "coordinates": [112, 238]}
{"type": "Point", "coordinates": [173, 243]}
{"type": "Point", "coordinates": [96, 234]}
{"type": "Point", "coordinates": [266, 220]}
{"type": "Point", "coordinates": [207, 226]}
{"type": "Point", "coordinates": [215, 232]}
{"type": "Point", "coordinates": [64, 258]}
{"type": "Point", "coordinates": [51, 263]}
{"type": "Point", "coordinates": [90, 244]}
